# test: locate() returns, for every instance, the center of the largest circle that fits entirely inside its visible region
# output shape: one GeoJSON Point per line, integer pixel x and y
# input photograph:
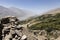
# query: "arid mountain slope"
{"type": "Point", "coordinates": [20, 13]}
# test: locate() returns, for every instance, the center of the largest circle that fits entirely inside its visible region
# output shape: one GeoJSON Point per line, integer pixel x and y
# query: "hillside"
{"type": "Point", "coordinates": [50, 13]}
{"type": "Point", "coordinates": [48, 21]}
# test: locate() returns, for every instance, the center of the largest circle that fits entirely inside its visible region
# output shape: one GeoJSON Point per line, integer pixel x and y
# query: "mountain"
{"type": "Point", "coordinates": [49, 20]}
{"type": "Point", "coordinates": [48, 24]}
{"type": "Point", "coordinates": [23, 14]}
{"type": "Point", "coordinates": [6, 12]}
{"type": "Point", "coordinates": [12, 11]}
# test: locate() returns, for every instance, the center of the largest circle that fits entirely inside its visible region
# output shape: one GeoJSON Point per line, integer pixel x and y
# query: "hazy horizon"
{"type": "Point", "coordinates": [38, 6]}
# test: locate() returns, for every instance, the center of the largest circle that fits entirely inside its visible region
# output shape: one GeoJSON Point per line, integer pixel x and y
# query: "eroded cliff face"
{"type": "Point", "coordinates": [10, 29]}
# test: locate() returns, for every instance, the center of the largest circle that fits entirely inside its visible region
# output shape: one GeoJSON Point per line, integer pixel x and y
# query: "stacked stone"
{"type": "Point", "coordinates": [12, 30]}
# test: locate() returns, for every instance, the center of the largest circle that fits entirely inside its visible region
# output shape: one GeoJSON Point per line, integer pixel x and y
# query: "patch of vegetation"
{"type": "Point", "coordinates": [49, 22]}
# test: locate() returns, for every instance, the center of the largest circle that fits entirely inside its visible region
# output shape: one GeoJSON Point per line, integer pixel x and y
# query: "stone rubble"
{"type": "Point", "coordinates": [12, 30]}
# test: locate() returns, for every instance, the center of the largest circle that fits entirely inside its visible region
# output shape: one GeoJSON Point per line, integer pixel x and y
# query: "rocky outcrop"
{"type": "Point", "coordinates": [11, 30]}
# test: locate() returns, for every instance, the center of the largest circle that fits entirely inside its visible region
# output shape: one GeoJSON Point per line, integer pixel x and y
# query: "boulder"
{"type": "Point", "coordinates": [24, 37]}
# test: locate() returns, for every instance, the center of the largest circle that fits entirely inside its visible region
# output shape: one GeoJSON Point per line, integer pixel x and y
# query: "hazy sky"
{"type": "Point", "coordinates": [33, 5]}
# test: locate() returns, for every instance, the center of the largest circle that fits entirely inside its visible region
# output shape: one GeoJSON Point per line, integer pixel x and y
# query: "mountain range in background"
{"type": "Point", "coordinates": [12, 11]}
{"type": "Point", "coordinates": [22, 14]}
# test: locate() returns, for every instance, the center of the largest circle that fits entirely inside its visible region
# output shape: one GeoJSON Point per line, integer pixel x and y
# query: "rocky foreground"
{"type": "Point", "coordinates": [10, 29]}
